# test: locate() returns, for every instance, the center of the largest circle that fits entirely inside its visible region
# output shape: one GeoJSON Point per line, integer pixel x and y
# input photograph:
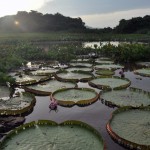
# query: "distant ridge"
{"type": "Point", "coordinates": [34, 21]}
{"type": "Point", "coordinates": [37, 22]}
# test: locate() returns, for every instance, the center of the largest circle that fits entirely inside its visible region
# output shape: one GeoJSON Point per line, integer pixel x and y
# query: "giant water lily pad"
{"type": "Point", "coordinates": [109, 83]}
{"type": "Point", "coordinates": [131, 127]}
{"type": "Point", "coordinates": [143, 72]}
{"type": "Point", "coordinates": [86, 69]}
{"type": "Point", "coordinates": [80, 60]}
{"type": "Point", "coordinates": [29, 79]}
{"type": "Point", "coordinates": [81, 64]}
{"type": "Point", "coordinates": [99, 61]}
{"type": "Point", "coordinates": [44, 72]}
{"type": "Point", "coordinates": [46, 88]}
{"type": "Point", "coordinates": [104, 72]}
{"type": "Point", "coordinates": [146, 64]}
{"type": "Point", "coordinates": [73, 76]}
{"type": "Point", "coordinates": [108, 66]}
{"type": "Point", "coordinates": [48, 135]}
{"type": "Point", "coordinates": [72, 96]}
{"type": "Point", "coordinates": [4, 91]}
{"type": "Point", "coordinates": [127, 97]}
{"type": "Point", "coordinates": [17, 105]}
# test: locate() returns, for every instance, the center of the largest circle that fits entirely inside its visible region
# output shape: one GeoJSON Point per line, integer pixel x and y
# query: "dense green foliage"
{"type": "Point", "coordinates": [13, 56]}
{"type": "Point", "coordinates": [34, 21]}
{"type": "Point", "coordinates": [62, 36]}
{"type": "Point", "coordinates": [37, 22]}
{"type": "Point", "coordinates": [126, 52]}
{"type": "Point", "coordinates": [5, 78]}
{"type": "Point", "coordinates": [134, 25]}
{"type": "Point", "coordinates": [16, 50]}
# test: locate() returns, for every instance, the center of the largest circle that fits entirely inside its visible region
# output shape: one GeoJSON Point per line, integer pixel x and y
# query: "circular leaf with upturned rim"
{"type": "Point", "coordinates": [46, 88]}
{"type": "Point", "coordinates": [46, 134]}
{"type": "Point", "coordinates": [72, 96]}
{"type": "Point", "coordinates": [131, 127]}
{"type": "Point", "coordinates": [127, 97]}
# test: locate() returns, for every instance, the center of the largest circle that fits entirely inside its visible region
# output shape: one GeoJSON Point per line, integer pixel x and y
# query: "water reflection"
{"type": "Point", "coordinates": [97, 114]}
{"type": "Point", "coordinates": [102, 43]}
{"type": "Point", "coordinates": [99, 44]}
{"type": "Point", "coordinates": [50, 44]}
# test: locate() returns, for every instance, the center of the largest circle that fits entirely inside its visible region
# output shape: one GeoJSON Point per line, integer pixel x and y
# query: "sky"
{"type": "Point", "coordinates": [95, 13]}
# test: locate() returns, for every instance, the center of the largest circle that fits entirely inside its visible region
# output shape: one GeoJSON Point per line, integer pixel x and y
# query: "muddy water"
{"type": "Point", "coordinates": [97, 114]}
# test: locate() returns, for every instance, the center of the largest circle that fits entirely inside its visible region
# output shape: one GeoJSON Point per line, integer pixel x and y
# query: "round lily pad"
{"type": "Point", "coordinates": [81, 64]}
{"type": "Point", "coordinates": [80, 60]}
{"type": "Point", "coordinates": [86, 69]}
{"type": "Point", "coordinates": [72, 96]}
{"type": "Point", "coordinates": [99, 61]}
{"type": "Point", "coordinates": [19, 104]}
{"type": "Point", "coordinates": [146, 64]}
{"type": "Point", "coordinates": [44, 72]}
{"type": "Point", "coordinates": [108, 66]}
{"type": "Point", "coordinates": [73, 76]}
{"type": "Point", "coordinates": [44, 134]}
{"type": "Point", "coordinates": [29, 79]}
{"type": "Point", "coordinates": [105, 72]}
{"type": "Point", "coordinates": [109, 83]}
{"type": "Point", "coordinates": [4, 91]}
{"type": "Point", "coordinates": [46, 88]}
{"type": "Point", "coordinates": [143, 72]}
{"type": "Point", "coordinates": [131, 127]}
{"type": "Point", "coordinates": [126, 97]}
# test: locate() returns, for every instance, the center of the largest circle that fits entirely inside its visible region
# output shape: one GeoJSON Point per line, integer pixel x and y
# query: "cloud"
{"type": "Point", "coordinates": [87, 7]}
{"type": "Point", "coordinates": [112, 19]}
{"type": "Point", "coordinates": [8, 8]}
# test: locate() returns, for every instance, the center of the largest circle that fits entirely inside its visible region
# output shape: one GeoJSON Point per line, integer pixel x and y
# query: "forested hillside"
{"type": "Point", "coordinates": [37, 22]}
{"type": "Point", "coordinates": [134, 25]}
{"type": "Point", "coordinates": [34, 21]}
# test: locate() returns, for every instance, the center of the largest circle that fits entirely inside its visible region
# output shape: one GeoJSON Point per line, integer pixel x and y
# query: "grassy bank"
{"type": "Point", "coordinates": [66, 36]}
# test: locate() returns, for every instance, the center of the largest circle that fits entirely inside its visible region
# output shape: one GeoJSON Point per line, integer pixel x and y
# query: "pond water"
{"type": "Point", "coordinates": [102, 43]}
{"type": "Point", "coordinates": [96, 115]}
{"type": "Point", "coordinates": [99, 44]}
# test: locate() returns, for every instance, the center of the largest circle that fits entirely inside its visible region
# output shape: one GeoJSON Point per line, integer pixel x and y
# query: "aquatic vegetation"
{"type": "Point", "coordinates": [108, 66]}
{"type": "Point", "coordinates": [70, 134]}
{"type": "Point", "coordinates": [19, 104]}
{"type": "Point", "coordinates": [44, 72]}
{"type": "Point", "coordinates": [130, 127]}
{"type": "Point", "coordinates": [144, 64]}
{"type": "Point", "coordinates": [77, 69]}
{"type": "Point", "coordinates": [81, 64]}
{"type": "Point", "coordinates": [108, 83]}
{"type": "Point", "coordinates": [72, 96]}
{"type": "Point", "coordinates": [126, 97]}
{"type": "Point", "coordinates": [29, 79]}
{"type": "Point", "coordinates": [81, 60]}
{"type": "Point", "coordinates": [46, 88]}
{"type": "Point", "coordinates": [73, 76]}
{"type": "Point", "coordinates": [101, 61]}
{"type": "Point", "coordinates": [104, 72]}
{"type": "Point", "coordinates": [143, 72]}
{"type": "Point", "coordinates": [4, 91]}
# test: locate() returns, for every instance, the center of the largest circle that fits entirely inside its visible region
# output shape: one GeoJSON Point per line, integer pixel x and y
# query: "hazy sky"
{"type": "Point", "coordinates": [95, 13]}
